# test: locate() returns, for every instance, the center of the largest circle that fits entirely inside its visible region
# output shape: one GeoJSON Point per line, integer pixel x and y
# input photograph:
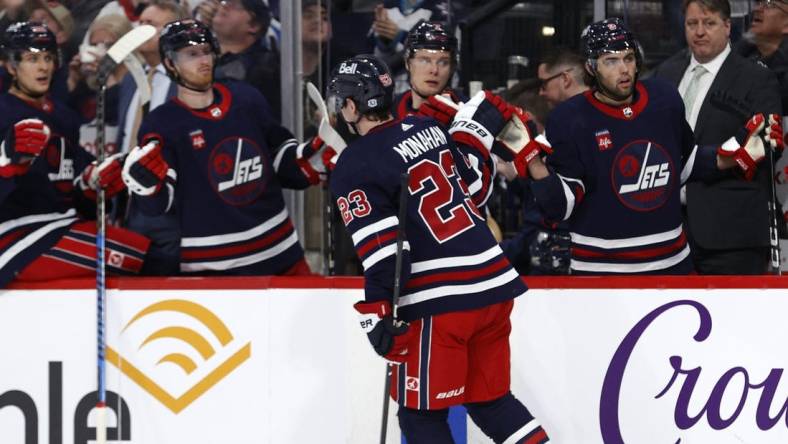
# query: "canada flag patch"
{"type": "Point", "coordinates": [198, 139]}
{"type": "Point", "coordinates": [603, 140]}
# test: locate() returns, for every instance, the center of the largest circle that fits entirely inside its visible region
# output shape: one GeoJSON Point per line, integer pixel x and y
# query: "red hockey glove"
{"type": "Point", "coordinates": [107, 176]}
{"type": "Point", "coordinates": [23, 143]}
{"type": "Point", "coordinates": [145, 169]}
{"type": "Point", "coordinates": [522, 141]}
{"type": "Point", "coordinates": [439, 107]}
{"type": "Point", "coordinates": [388, 337]}
{"type": "Point", "coordinates": [310, 157]}
{"type": "Point", "coordinates": [747, 148]}
{"type": "Point", "coordinates": [330, 158]}
{"type": "Point", "coordinates": [480, 120]}
{"type": "Point", "coordinates": [774, 132]}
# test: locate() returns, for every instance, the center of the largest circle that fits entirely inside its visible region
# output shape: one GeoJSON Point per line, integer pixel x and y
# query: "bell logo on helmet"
{"type": "Point", "coordinates": [345, 68]}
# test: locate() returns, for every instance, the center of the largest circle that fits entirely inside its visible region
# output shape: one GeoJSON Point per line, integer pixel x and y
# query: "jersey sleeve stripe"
{"type": "Point", "coordinates": [373, 228]}
{"type": "Point", "coordinates": [222, 239]}
{"type": "Point", "coordinates": [280, 153]}
{"type": "Point", "coordinates": [455, 261]}
{"type": "Point", "coordinates": [383, 253]}
{"type": "Point", "coordinates": [377, 241]}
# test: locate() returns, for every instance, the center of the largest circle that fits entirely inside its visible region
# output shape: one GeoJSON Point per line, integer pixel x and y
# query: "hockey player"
{"type": "Point", "coordinates": [48, 183]}
{"type": "Point", "coordinates": [621, 153]}
{"type": "Point", "coordinates": [431, 58]}
{"type": "Point", "coordinates": [458, 288]}
{"type": "Point", "coordinates": [214, 157]}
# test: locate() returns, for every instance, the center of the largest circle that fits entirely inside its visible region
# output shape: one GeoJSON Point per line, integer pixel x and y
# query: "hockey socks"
{"type": "Point", "coordinates": [507, 421]}
{"type": "Point", "coordinates": [425, 426]}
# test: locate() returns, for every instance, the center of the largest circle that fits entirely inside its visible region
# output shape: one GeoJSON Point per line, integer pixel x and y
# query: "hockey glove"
{"type": "Point", "coordinates": [107, 176]}
{"type": "Point", "coordinates": [440, 108]}
{"type": "Point", "coordinates": [388, 337]}
{"type": "Point", "coordinates": [774, 132]}
{"type": "Point", "coordinates": [310, 157]}
{"type": "Point", "coordinates": [23, 143]}
{"type": "Point", "coordinates": [479, 121]}
{"type": "Point", "coordinates": [145, 169]}
{"type": "Point", "coordinates": [747, 148]}
{"type": "Point", "coordinates": [522, 142]}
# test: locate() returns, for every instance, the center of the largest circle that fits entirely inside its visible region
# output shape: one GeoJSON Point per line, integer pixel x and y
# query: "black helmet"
{"type": "Point", "coordinates": [366, 80]}
{"type": "Point", "coordinates": [430, 35]}
{"type": "Point", "coordinates": [609, 35]}
{"type": "Point", "coordinates": [29, 36]}
{"type": "Point", "coordinates": [180, 34]}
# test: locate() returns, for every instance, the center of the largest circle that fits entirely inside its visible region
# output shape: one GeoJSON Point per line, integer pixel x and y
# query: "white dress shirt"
{"type": "Point", "coordinates": [712, 68]}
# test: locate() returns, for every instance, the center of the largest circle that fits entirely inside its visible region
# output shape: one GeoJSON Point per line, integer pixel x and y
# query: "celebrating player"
{"type": "Point", "coordinates": [621, 153]}
{"type": "Point", "coordinates": [458, 288]}
{"type": "Point", "coordinates": [215, 158]}
{"type": "Point", "coordinates": [48, 183]}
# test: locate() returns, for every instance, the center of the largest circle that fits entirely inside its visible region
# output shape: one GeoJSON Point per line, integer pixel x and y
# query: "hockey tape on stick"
{"type": "Point", "coordinates": [326, 132]}
{"type": "Point", "coordinates": [123, 48]}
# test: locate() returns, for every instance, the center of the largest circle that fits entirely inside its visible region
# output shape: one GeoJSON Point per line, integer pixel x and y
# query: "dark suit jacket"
{"type": "Point", "coordinates": [729, 212]}
{"type": "Point", "coordinates": [127, 90]}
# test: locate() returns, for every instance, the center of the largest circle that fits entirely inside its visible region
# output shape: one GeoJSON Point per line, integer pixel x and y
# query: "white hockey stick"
{"type": "Point", "coordinates": [115, 55]}
{"type": "Point", "coordinates": [326, 132]}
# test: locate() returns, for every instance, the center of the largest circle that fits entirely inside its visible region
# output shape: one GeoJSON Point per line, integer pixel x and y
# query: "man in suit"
{"type": "Point", "coordinates": [728, 218]}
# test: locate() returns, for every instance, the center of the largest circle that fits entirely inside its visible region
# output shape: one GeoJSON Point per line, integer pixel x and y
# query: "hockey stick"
{"type": "Point", "coordinates": [725, 101]}
{"type": "Point", "coordinates": [403, 215]}
{"type": "Point", "coordinates": [115, 55]}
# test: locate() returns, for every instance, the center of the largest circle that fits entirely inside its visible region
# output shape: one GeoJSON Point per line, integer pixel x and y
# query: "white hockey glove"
{"type": "Point", "coordinates": [522, 141]}
{"type": "Point", "coordinates": [479, 121]}
{"type": "Point", "coordinates": [145, 169]}
{"type": "Point", "coordinates": [23, 143]}
{"type": "Point", "coordinates": [108, 176]}
{"type": "Point", "coordinates": [747, 148]}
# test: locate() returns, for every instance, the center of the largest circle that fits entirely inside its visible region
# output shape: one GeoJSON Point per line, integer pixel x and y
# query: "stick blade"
{"type": "Point", "coordinates": [130, 41]}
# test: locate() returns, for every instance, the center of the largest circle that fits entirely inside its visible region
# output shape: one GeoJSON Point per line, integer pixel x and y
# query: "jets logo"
{"type": "Point", "coordinates": [238, 170]}
{"type": "Point", "coordinates": [643, 175]}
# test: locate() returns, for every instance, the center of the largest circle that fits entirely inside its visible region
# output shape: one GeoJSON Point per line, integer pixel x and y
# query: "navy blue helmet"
{"type": "Point", "coordinates": [29, 36]}
{"type": "Point", "coordinates": [366, 80]}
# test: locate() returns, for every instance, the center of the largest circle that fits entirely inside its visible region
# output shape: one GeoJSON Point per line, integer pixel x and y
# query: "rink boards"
{"type": "Point", "coordinates": [278, 360]}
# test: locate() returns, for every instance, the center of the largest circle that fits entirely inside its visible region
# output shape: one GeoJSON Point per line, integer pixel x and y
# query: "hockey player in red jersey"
{"type": "Point", "coordinates": [48, 183]}
{"type": "Point", "coordinates": [215, 158]}
{"type": "Point", "coordinates": [621, 153]}
{"type": "Point", "coordinates": [457, 287]}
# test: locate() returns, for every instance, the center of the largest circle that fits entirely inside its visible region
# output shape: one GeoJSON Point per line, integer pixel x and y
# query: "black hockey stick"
{"type": "Point", "coordinates": [727, 102]}
{"type": "Point", "coordinates": [115, 55]}
{"type": "Point", "coordinates": [403, 215]}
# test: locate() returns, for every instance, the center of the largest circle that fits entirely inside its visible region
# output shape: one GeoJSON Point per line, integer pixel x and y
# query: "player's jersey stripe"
{"type": "Point", "coordinates": [269, 238]}
{"type": "Point", "coordinates": [451, 290]}
{"type": "Point", "coordinates": [460, 275]}
{"type": "Point", "coordinates": [641, 253]}
{"type": "Point", "coordinates": [373, 228]}
{"type": "Point", "coordinates": [241, 261]}
{"type": "Point", "coordinates": [32, 238]}
{"type": "Point", "coordinates": [629, 242]}
{"type": "Point", "coordinates": [376, 241]}
{"type": "Point", "coordinates": [221, 239]}
{"type": "Point", "coordinates": [424, 363]}
{"type": "Point", "coordinates": [383, 253]}
{"type": "Point", "coordinates": [456, 261]}
{"type": "Point", "coordinates": [33, 219]}
{"type": "Point", "coordinates": [611, 267]}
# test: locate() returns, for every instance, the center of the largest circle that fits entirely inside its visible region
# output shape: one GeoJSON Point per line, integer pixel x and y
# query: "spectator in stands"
{"type": "Point", "coordinates": [57, 18]}
{"type": "Point", "coordinates": [164, 252]}
{"type": "Point", "coordinates": [12, 11]}
{"type": "Point", "coordinates": [728, 218]}
{"type": "Point", "coordinates": [393, 21]}
{"type": "Point", "coordinates": [767, 41]}
{"type": "Point", "coordinates": [83, 81]}
{"type": "Point", "coordinates": [239, 26]}
{"type": "Point", "coordinates": [561, 76]}
{"type": "Point", "coordinates": [315, 35]}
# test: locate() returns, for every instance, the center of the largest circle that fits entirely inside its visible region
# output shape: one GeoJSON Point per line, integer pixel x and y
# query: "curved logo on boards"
{"type": "Point", "coordinates": [237, 170]}
{"type": "Point", "coordinates": [178, 363]}
{"type": "Point", "coordinates": [642, 175]}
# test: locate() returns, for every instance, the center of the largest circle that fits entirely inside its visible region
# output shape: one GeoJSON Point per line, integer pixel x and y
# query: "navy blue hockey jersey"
{"type": "Point", "coordinates": [450, 259]}
{"type": "Point", "coordinates": [228, 164]}
{"type": "Point", "coordinates": [37, 208]}
{"type": "Point", "coordinates": [619, 171]}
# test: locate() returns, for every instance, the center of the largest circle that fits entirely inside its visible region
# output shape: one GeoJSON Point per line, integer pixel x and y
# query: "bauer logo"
{"type": "Point", "coordinates": [178, 351]}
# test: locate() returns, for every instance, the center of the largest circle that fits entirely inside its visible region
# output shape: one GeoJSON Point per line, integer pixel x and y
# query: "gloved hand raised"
{"type": "Point", "coordinates": [747, 148]}
{"type": "Point", "coordinates": [145, 169]}
{"type": "Point", "coordinates": [22, 144]}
